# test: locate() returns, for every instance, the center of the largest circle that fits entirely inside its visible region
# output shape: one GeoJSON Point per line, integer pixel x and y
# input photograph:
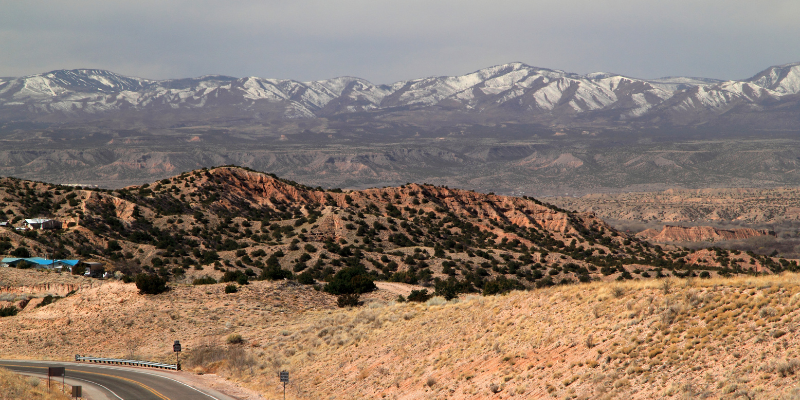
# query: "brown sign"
{"type": "Point", "coordinates": [55, 371]}
{"type": "Point", "coordinates": [76, 391]}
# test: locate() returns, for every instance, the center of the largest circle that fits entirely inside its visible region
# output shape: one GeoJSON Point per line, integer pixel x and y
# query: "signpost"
{"type": "Point", "coordinates": [55, 371]}
{"type": "Point", "coordinates": [177, 349]}
{"type": "Point", "coordinates": [284, 379]}
{"type": "Point", "coordinates": [77, 391]}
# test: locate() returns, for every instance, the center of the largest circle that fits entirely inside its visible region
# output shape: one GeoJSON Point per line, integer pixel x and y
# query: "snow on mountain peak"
{"type": "Point", "coordinates": [782, 79]}
{"type": "Point", "coordinates": [514, 86]}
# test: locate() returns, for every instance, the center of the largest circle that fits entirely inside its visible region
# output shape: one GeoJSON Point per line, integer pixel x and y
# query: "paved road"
{"type": "Point", "coordinates": [117, 383]}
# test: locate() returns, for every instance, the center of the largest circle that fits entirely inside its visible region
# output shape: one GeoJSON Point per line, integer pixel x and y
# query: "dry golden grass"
{"type": "Point", "coordinates": [13, 277]}
{"type": "Point", "coordinates": [16, 387]}
{"type": "Point", "coordinates": [719, 338]}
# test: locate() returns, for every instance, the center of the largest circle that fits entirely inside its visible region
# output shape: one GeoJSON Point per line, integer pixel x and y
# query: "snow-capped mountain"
{"type": "Point", "coordinates": [514, 91]}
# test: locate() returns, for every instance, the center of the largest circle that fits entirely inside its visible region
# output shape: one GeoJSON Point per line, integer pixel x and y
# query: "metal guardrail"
{"type": "Point", "coordinates": [121, 361]}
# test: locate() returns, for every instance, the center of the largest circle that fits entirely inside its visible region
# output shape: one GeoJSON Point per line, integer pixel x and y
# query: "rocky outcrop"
{"type": "Point", "coordinates": [700, 234]}
{"type": "Point", "coordinates": [259, 189]}
{"type": "Point", "coordinates": [57, 289]}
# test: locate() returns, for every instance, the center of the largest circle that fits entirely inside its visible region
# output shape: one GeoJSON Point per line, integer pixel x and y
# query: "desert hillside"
{"type": "Point", "coordinates": [257, 274]}
{"type": "Point", "coordinates": [760, 220]}
{"type": "Point", "coordinates": [669, 338]}
{"type": "Point", "coordinates": [229, 219]}
{"type": "Point", "coordinates": [755, 205]}
{"type": "Point", "coordinates": [14, 386]}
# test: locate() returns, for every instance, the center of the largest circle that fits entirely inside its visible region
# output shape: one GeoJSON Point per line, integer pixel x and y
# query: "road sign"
{"type": "Point", "coordinates": [55, 371]}
{"type": "Point", "coordinates": [176, 347]}
{"type": "Point", "coordinates": [76, 391]}
{"type": "Point", "coordinates": [285, 379]}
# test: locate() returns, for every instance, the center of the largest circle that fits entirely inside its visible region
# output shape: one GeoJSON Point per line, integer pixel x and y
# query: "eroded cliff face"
{"type": "Point", "coordinates": [258, 189]}
{"type": "Point", "coordinates": [742, 205]}
{"type": "Point", "coordinates": [672, 233]}
{"type": "Point", "coordinates": [56, 289]}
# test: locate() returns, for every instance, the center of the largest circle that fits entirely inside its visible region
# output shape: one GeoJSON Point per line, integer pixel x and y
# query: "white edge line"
{"type": "Point", "coordinates": [182, 383]}
{"type": "Point", "coordinates": [156, 375]}
{"type": "Point", "coordinates": [41, 376]}
{"type": "Point", "coordinates": [95, 383]}
{"type": "Point", "coordinates": [102, 366]}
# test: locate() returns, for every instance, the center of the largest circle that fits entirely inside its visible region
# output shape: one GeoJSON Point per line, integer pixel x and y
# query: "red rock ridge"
{"type": "Point", "coordinates": [700, 234]}
{"type": "Point", "coordinates": [260, 189]}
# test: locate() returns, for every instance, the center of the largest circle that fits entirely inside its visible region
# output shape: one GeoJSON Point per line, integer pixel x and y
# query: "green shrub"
{"type": "Point", "coordinates": [305, 278]}
{"type": "Point", "coordinates": [450, 288]}
{"type": "Point", "coordinates": [409, 276]}
{"type": "Point", "coordinates": [205, 280]}
{"type": "Point", "coordinates": [8, 311]}
{"type": "Point", "coordinates": [235, 276]}
{"type": "Point", "coordinates": [49, 299]}
{"type": "Point", "coordinates": [419, 296]}
{"type": "Point", "coordinates": [274, 272]}
{"type": "Point", "coordinates": [501, 285]}
{"type": "Point", "coordinates": [231, 288]}
{"type": "Point", "coordinates": [151, 284]}
{"type": "Point", "coordinates": [234, 338]}
{"type": "Point", "coordinates": [347, 300]}
{"type": "Point", "coordinates": [21, 252]}
{"type": "Point", "coordinates": [351, 280]}
{"type": "Point", "coordinates": [299, 266]}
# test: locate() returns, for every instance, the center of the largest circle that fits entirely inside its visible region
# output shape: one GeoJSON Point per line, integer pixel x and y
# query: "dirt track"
{"type": "Point", "coordinates": [399, 288]}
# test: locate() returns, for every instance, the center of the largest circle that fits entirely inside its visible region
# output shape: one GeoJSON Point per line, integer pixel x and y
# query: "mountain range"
{"type": "Point", "coordinates": [513, 92]}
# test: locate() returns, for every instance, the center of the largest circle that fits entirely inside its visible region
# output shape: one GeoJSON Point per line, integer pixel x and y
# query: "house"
{"type": "Point", "coordinates": [3, 223]}
{"type": "Point", "coordinates": [38, 262]}
{"type": "Point", "coordinates": [42, 223]}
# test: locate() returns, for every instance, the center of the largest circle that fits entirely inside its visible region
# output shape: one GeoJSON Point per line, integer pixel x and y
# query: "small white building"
{"type": "Point", "coordinates": [42, 223]}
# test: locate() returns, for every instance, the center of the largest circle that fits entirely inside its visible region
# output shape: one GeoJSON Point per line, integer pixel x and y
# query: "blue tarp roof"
{"type": "Point", "coordinates": [42, 261]}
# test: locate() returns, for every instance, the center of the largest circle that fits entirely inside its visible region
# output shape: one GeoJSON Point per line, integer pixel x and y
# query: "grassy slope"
{"type": "Point", "coordinates": [717, 337]}
{"type": "Point", "coordinates": [638, 339]}
{"type": "Point", "coordinates": [13, 386]}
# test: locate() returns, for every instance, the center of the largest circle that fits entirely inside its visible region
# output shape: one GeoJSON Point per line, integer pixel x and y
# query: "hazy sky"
{"type": "Point", "coordinates": [386, 40]}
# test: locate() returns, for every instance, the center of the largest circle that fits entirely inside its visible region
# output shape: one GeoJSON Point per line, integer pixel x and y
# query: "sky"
{"type": "Point", "coordinates": [386, 41]}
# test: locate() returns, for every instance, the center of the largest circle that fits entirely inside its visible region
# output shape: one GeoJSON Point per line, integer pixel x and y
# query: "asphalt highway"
{"type": "Point", "coordinates": [116, 383]}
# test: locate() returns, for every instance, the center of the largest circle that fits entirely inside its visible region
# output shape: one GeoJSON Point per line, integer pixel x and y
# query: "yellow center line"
{"type": "Point", "coordinates": [159, 395]}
